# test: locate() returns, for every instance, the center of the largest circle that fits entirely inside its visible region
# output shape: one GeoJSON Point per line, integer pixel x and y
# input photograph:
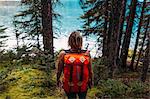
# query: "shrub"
{"type": "Point", "coordinates": [138, 88]}
{"type": "Point", "coordinates": [100, 70]}
{"type": "Point", "coordinates": [113, 88]}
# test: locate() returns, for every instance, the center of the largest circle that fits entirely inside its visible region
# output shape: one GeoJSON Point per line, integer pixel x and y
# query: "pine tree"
{"type": "Point", "coordinates": [114, 31]}
{"type": "Point", "coordinates": [127, 37]}
{"type": "Point", "coordinates": [16, 32]}
{"type": "Point", "coordinates": [29, 21]}
{"type": "Point", "coordinates": [3, 36]}
{"type": "Point", "coordinates": [107, 16]}
{"type": "Point", "coordinates": [146, 62]}
{"type": "Point", "coordinates": [47, 29]}
{"type": "Point", "coordinates": [96, 20]}
{"type": "Point", "coordinates": [121, 25]}
{"type": "Point", "coordinates": [144, 38]}
{"type": "Point", "coordinates": [138, 35]}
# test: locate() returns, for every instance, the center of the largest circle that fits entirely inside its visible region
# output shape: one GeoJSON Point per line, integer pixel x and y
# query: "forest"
{"type": "Point", "coordinates": [28, 71]}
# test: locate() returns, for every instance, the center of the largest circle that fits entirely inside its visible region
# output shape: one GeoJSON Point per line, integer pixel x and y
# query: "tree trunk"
{"type": "Point", "coordinates": [122, 19]}
{"type": "Point", "coordinates": [137, 38]}
{"type": "Point", "coordinates": [126, 41]}
{"type": "Point", "coordinates": [38, 41]}
{"type": "Point", "coordinates": [17, 39]}
{"type": "Point", "coordinates": [113, 45]}
{"type": "Point", "coordinates": [105, 37]}
{"type": "Point", "coordinates": [140, 52]}
{"type": "Point", "coordinates": [146, 61]}
{"type": "Point", "coordinates": [47, 26]}
{"type": "Point", "coordinates": [109, 34]}
{"type": "Point", "coordinates": [38, 32]}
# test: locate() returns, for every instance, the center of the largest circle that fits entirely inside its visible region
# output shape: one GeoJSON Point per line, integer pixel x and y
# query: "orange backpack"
{"type": "Point", "coordinates": [76, 71]}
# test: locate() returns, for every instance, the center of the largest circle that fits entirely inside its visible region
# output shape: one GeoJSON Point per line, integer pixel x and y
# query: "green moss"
{"type": "Point", "coordinates": [93, 92]}
{"type": "Point", "coordinates": [26, 83]}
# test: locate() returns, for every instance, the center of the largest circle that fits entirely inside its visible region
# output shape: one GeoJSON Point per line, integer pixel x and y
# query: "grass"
{"type": "Point", "coordinates": [27, 83]}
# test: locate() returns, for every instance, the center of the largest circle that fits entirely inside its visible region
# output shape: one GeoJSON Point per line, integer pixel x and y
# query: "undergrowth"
{"type": "Point", "coordinates": [24, 81]}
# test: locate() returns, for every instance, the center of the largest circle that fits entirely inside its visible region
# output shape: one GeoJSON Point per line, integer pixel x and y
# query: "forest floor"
{"type": "Point", "coordinates": [28, 82]}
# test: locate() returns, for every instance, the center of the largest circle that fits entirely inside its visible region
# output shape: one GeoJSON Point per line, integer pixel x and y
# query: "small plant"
{"type": "Point", "coordinates": [138, 88]}
{"type": "Point", "coordinates": [94, 92]}
{"type": "Point", "coordinates": [112, 88]}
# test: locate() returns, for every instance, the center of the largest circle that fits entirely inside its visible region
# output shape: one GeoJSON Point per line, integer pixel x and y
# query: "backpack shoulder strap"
{"type": "Point", "coordinates": [83, 51]}
{"type": "Point", "coordinates": [75, 51]}
{"type": "Point", "coordinates": [67, 51]}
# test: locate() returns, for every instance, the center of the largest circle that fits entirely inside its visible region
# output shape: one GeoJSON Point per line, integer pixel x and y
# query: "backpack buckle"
{"type": "Point", "coordinates": [70, 84]}
{"type": "Point", "coordinates": [79, 83]}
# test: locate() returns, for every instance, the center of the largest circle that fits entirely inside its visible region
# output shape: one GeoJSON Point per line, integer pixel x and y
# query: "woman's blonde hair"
{"type": "Point", "coordinates": [75, 40]}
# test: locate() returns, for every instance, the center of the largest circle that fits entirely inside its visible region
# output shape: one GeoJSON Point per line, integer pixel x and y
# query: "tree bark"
{"type": "Point", "coordinates": [38, 41]}
{"type": "Point", "coordinates": [137, 38]}
{"type": "Point", "coordinates": [122, 19]}
{"type": "Point", "coordinates": [140, 52]}
{"type": "Point", "coordinates": [146, 61]}
{"type": "Point", "coordinates": [105, 34]}
{"type": "Point", "coordinates": [47, 26]}
{"type": "Point", "coordinates": [109, 34]}
{"type": "Point", "coordinates": [38, 32]}
{"type": "Point", "coordinates": [113, 45]}
{"type": "Point", "coordinates": [126, 41]}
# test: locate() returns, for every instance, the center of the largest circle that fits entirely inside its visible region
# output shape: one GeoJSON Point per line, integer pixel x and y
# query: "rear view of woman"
{"type": "Point", "coordinates": [75, 64]}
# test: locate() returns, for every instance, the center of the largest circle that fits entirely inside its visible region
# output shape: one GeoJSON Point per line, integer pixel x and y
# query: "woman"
{"type": "Point", "coordinates": [76, 66]}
